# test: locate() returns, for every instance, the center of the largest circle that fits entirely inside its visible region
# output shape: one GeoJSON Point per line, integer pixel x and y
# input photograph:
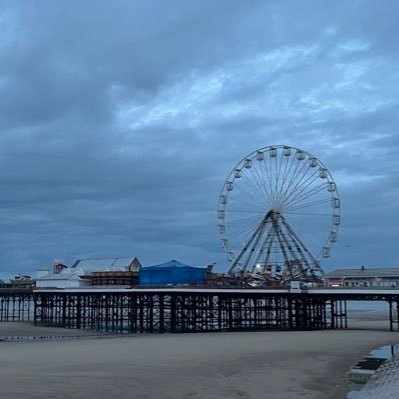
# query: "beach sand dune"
{"type": "Point", "coordinates": [275, 365]}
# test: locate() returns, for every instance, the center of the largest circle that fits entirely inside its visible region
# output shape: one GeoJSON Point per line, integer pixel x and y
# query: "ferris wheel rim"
{"type": "Point", "coordinates": [276, 147]}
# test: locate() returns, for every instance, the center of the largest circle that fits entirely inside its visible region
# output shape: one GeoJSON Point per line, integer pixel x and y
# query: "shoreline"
{"type": "Point", "coordinates": [266, 364]}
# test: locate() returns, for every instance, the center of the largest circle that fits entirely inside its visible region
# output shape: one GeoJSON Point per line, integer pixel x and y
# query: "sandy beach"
{"type": "Point", "coordinates": [275, 365]}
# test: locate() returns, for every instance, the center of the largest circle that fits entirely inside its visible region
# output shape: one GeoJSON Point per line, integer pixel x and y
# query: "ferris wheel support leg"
{"type": "Point", "coordinates": [244, 250]}
{"type": "Point", "coordinates": [303, 249]}
{"type": "Point", "coordinates": [281, 243]}
{"type": "Point", "coordinates": [251, 254]}
{"type": "Point", "coordinates": [267, 243]}
{"type": "Point", "coordinates": [298, 252]}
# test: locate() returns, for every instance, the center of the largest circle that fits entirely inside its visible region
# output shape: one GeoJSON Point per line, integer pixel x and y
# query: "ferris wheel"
{"type": "Point", "coordinates": [278, 214]}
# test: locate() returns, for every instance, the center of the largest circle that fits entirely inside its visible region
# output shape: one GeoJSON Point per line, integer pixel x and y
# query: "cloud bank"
{"type": "Point", "coordinates": [120, 121]}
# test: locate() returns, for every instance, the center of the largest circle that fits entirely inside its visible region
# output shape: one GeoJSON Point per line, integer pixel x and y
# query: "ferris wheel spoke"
{"type": "Point", "coordinates": [240, 239]}
{"type": "Point", "coordinates": [248, 193]}
{"type": "Point", "coordinates": [285, 174]}
{"type": "Point", "coordinates": [255, 190]}
{"type": "Point", "coordinates": [302, 184]}
{"type": "Point", "coordinates": [259, 185]}
{"type": "Point", "coordinates": [278, 176]}
{"type": "Point", "coordinates": [289, 177]}
{"type": "Point", "coordinates": [277, 166]}
{"type": "Point", "coordinates": [285, 179]}
{"type": "Point", "coordinates": [252, 182]}
{"type": "Point", "coordinates": [307, 214]}
{"type": "Point", "coordinates": [250, 204]}
{"type": "Point", "coordinates": [238, 211]}
{"type": "Point", "coordinates": [299, 201]}
{"type": "Point", "coordinates": [274, 181]}
{"type": "Point", "coordinates": [309, 204]}
{"type": "Point", "coordinates": [299, 245]}
{"type": "Point", "coordinates": [299, 231]}
{"type": "Point", "coordinates": [241, 220]}
{"type": "Point", "coordinates": [262, 181]}
{"type": "Point", "coordinates": [269, 179]}
{"type": "Point", "coordinates": [266, 180]}
{"type": "Point", "coordinates": [242, 231]}
{"type": "Point", "coordinates": [237, 234]}
{"type": "Point", "coordinates": [308, 190]}
{"type": "Point", "coordinates": [265, 184]}
{"type": "Point", "coordinates": [301, 165]}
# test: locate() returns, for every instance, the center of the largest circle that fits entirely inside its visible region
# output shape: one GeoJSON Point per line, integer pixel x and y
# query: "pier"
{"type": "Point", "coordinates": [175, 310]}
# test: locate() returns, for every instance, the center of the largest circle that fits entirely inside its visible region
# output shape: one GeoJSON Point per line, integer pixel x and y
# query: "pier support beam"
{"type": "Point", "coordinates": [196, 311]}
{"type": "Point", "coordinates": [393, 315]}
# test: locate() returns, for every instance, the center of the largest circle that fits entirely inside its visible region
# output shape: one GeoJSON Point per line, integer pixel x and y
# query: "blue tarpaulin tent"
{"type": "Point", "coordinates": [172, 272]}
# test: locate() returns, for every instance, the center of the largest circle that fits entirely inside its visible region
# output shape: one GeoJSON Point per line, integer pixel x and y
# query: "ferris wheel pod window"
{"type": "Point", "coordinates": [286, 151]}
{"type": "Point", "coordinates": [223, 199]}
{"type": "Point", "coordinates": [323, 173]}
{"type": "Point", "coordinates": [248, 163]}
{"type": "Point", "coordinates": [300, 156]}
{"type": "Point", "coordinates": [336, 220]}
{"type": "Point", "coordinates": [331, 187]}
{"type": "Point", "coordinates": [229, 186]}
{"type": "Point", "coordinates": [260, 156]}
{"type": "Point", "coordinates": [333, 236]}
{"type": "Point", "coordinates": [221, 214]}
{"type": "Point", "coordinates": [273, 152]}
{"type": "Point", "coordinates": [237, 173]}
{"type": "Point", "coordinates": [222, 229]}
{"type": "Point", "coordinates": [335, 203]}
{"type": "Point", "coordinates": [326, 252]}
{"type": "Point", "coordinates": [225, 243]}
{"type": "Point", "coordinates": [312, 162]}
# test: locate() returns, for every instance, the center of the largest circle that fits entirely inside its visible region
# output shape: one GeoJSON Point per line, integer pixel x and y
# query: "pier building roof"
{"type": "Point", "coordinates": [171, 273]}
{"type": "Point", "coordinates": [130, 263]}
{"type": "Point", "coordinates": [364, 272]}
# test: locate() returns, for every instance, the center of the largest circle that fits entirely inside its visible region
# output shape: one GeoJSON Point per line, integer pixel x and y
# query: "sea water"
{"type": "Point", "coordinates": [367, 306]}
{"type": "Point", "coordinates": [370, 308]}
{"type": "Point", "coordinates": [384, 352]}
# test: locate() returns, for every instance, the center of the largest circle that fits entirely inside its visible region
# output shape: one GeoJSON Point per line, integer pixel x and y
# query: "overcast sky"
{"type": "Point", "coordinates": [120, 121]}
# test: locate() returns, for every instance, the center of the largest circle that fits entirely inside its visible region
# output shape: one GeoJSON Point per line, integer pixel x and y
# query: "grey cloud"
{"type": "Point", "coordinates": [119, 122]}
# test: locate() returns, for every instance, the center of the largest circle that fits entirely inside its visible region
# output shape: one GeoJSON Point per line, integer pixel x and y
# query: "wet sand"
{"type": "Point", "coordinates": [275, 365]}
{"type": "Point", "coordinates": [28, 330]}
